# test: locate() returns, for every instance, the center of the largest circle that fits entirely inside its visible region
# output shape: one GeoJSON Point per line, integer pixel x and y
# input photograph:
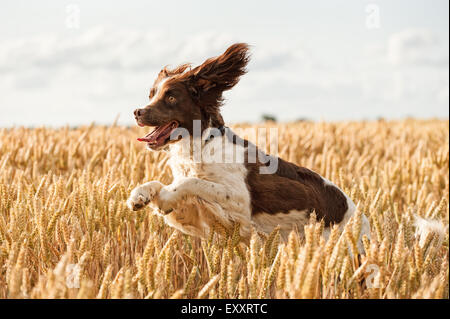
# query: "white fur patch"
{"type": "Point", "coordinates": [158, 90]}
{"type": "Point", "coordinates": [216, 182]}
{"type": "Point", "coordinates": [294, 219]}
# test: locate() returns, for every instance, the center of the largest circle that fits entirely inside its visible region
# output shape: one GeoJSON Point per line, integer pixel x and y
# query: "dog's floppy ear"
{"type": "Point", "coordinates": [220, 73]}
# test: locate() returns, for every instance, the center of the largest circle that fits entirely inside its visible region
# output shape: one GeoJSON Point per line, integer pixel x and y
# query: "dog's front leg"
{"type": "Point", "coordinates": [143, 194]}
{"type": "Point", "coordinates": [206, 190]}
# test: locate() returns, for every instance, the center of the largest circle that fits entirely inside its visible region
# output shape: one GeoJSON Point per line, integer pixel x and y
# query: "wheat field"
{"type": "Point", "coordinates": [65, 230]}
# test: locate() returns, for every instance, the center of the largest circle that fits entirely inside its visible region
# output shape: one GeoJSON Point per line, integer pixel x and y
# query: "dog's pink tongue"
{"type": "Point", "coordinates": [159, 134]}
{"type": "Point", "coordinates": [150, 137]}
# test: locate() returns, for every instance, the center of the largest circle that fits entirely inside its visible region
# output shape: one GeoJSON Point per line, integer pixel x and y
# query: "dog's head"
{"type": "Point", "coordinates": [181, 95]}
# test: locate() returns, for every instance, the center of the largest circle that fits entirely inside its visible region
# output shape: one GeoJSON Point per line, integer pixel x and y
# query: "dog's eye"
{"type": "Point", "coordinates": [171, 99]}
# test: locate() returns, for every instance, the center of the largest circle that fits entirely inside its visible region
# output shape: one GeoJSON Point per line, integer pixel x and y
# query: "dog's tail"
{"type": "Point", "coordinates": [426, 230]}
{"type": "Point", "coordinates": [429, 229]}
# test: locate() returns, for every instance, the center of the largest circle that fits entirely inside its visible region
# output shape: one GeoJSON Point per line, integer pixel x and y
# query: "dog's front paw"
{"type": "Point", "coordinates": [142, 195]}
{"type": "Point", "coordinates": [137, 201]}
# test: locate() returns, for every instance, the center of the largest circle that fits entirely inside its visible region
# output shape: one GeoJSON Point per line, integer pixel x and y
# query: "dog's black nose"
{"type": "Point", "coordinates": [137, 112]}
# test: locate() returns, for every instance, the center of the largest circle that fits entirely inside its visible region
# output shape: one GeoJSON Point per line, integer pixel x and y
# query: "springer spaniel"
{"type": "Point", "coordinates": [244, 185]}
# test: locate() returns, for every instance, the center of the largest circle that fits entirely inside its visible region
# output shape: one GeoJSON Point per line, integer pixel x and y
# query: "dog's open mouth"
{"type": "Point", "coordinates": [160, 135]}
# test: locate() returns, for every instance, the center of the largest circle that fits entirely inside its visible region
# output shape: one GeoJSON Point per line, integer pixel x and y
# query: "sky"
{"type": "Point", "coordinates": [78, 62]}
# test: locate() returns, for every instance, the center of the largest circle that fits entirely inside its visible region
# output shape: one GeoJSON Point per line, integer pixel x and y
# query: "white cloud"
{"type": "Point", "coordinates": [96, 74]}
{"type": "Point", "coordinates": [442, 95]}
{"type": "Point", "coordinates": [416, 47]}
{"type": "Point", "coordinates": [105, 69]}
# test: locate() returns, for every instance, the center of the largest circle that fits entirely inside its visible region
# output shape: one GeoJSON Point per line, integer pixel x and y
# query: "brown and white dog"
{"type": "Point", "coordinates": [227, 191]}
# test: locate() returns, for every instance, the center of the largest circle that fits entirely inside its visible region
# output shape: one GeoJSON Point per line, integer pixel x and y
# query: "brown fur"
{"type": "Point", "coordinates": [292, 188]}
{"type": "Point", "coordinates": [197, 92]}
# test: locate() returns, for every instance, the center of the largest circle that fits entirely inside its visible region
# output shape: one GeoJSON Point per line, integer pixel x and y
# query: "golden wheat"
{"type": "Point", "coordinates": [65, 231]}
